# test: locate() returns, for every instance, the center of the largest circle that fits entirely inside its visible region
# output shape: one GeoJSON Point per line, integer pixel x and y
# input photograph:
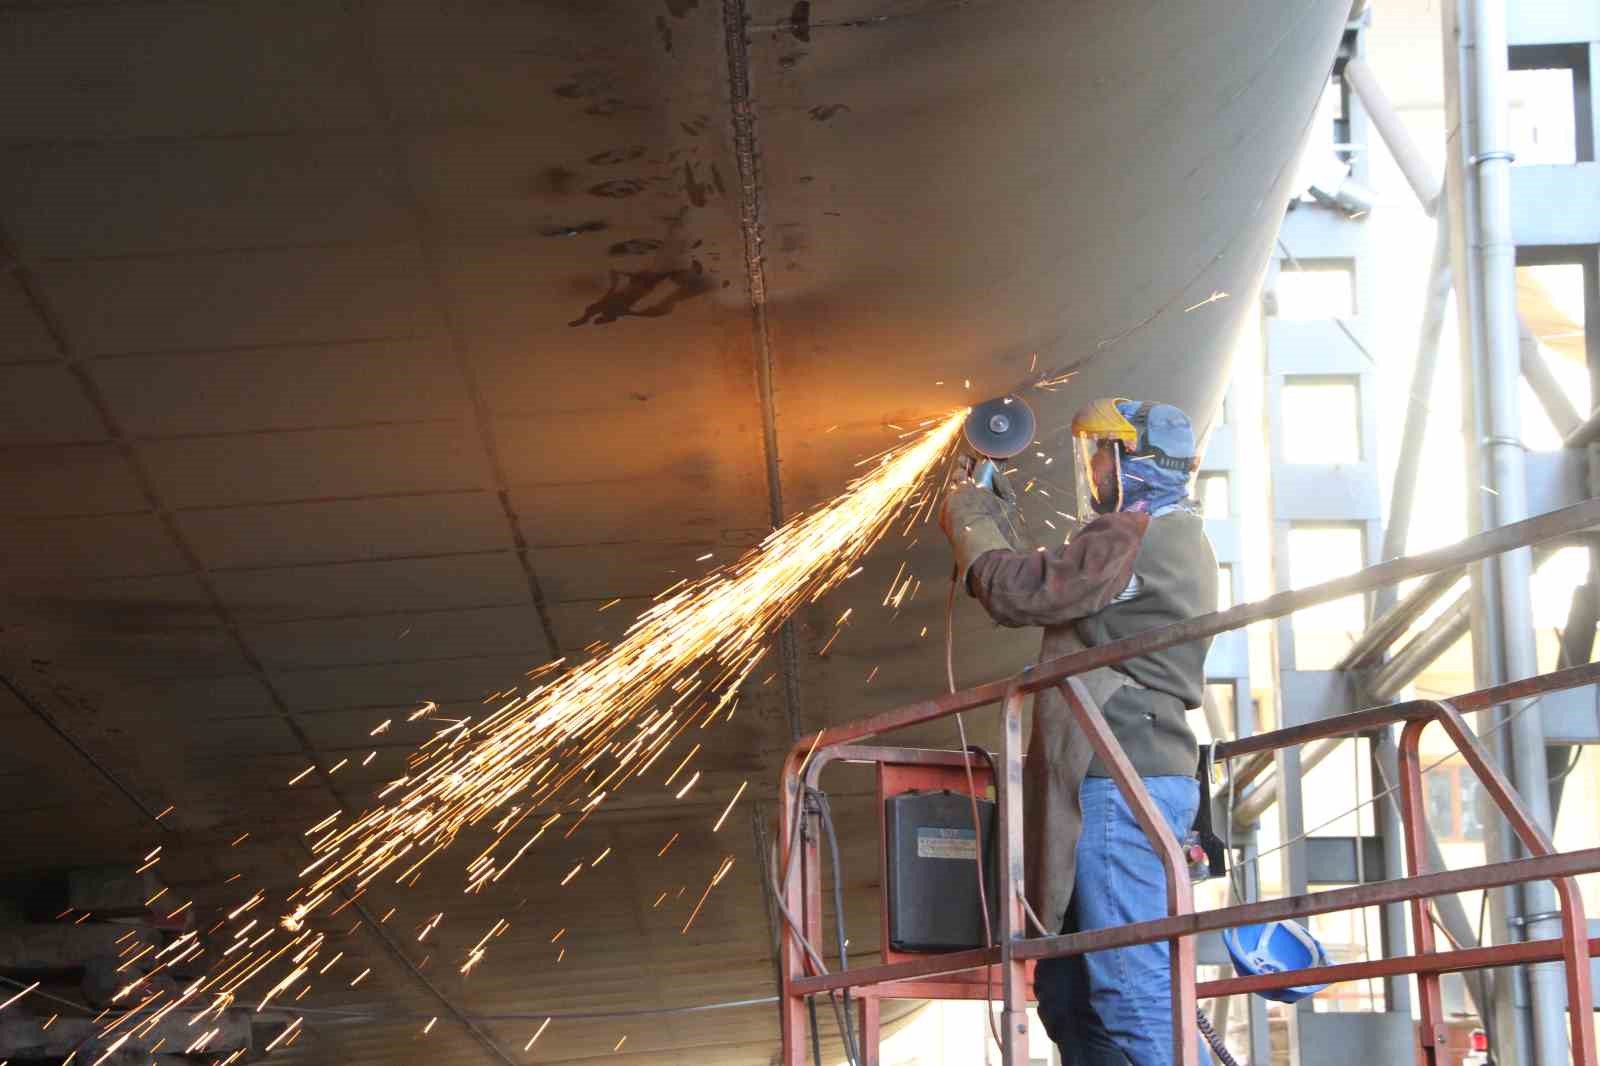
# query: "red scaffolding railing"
{"type": "Point", "coordinates": [1005, 966]}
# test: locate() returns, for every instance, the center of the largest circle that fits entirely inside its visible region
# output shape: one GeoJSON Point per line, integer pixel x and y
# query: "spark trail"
{"type": "Point", "coordinates": [558, 751]}
{"type": "Point", "coordinates": [555, 753]}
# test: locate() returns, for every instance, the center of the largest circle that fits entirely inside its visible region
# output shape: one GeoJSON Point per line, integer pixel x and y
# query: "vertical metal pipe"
{"type": "Point", "coordinates": [1507, 1020]}
{"type": "Point", "coordinates": [1496, 255]}
{"type": "Point", "coordinates": [1244, 725]}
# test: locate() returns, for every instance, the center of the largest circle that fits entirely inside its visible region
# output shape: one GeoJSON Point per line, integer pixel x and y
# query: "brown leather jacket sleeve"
{"type": "Point", "coordinates": [1048, 588]}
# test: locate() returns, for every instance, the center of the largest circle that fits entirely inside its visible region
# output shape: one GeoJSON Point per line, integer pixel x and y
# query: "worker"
{"type": "Point", "coordinates": [1138, 559]}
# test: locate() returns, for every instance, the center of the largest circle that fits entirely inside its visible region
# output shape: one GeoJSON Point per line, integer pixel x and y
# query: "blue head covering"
{"type": "Point", "coordinates": [1155, 476]}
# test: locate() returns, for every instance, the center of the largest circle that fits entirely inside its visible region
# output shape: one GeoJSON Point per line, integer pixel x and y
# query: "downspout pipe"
{"type": "Point", "coordinates": [1504, 461]}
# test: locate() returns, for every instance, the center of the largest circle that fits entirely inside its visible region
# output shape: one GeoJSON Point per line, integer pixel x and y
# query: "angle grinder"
{"type": "Point", "coordinates": [997, 430]}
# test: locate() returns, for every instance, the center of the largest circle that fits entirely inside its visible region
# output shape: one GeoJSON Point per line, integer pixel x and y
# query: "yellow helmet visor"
{"type": "Point", "coordinates": [1097, 430]}
{"type": "Point", "coordinates": [1099, 477]}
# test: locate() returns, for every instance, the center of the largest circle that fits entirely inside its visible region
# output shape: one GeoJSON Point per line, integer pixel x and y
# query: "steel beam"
{"type": "Point", "coordinates": [1397, 620]}
{"type": "Point", "coordinates": [1453, 623]}
{"type": "Point", "coordinates": [1410, 158]}
{"type": "Point", "coordinates": [1416, 424]}
{"type": "Point", "coordinates": [1585, 433]}
{"type": "Point", "coordinates": [1249, 808]}
{"type": "Point", "coordinates": [1552, 397]}
{"type": "Point", "coordinates": [1421, 652]}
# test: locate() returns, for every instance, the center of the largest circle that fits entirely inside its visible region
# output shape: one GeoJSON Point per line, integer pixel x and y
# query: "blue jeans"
{"type": "Point", "coordinates": [1113, 1008]}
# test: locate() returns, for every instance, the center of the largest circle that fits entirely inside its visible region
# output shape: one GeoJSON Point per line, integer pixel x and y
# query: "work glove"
{"type": "Point", "coordinates": [977, 520]}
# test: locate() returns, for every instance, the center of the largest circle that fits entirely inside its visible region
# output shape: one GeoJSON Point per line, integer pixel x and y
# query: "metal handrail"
{"type": "Point", "coordinates": [800, 891]}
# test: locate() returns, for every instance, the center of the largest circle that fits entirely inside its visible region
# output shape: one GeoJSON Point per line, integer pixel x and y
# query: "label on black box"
{"type": "Point", "coordinates": [937, 843]}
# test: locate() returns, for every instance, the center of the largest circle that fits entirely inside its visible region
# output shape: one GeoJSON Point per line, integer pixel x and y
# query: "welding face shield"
{"type": "Point", "coordinates": [1101, 436]}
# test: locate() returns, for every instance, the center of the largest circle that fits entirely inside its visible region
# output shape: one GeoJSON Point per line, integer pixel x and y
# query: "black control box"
{"type": "Point", "coordinates": [933, 886]}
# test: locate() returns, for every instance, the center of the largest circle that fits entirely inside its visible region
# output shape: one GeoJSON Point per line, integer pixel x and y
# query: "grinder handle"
{"type": "Point", "coordinates": [983, 474]}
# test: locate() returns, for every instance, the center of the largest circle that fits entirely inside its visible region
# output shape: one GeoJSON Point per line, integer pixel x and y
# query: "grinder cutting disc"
{"type": "Point", "coordinates": [1000, 428]}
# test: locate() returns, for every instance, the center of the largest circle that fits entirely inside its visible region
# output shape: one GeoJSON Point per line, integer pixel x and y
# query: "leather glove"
{"type": "Point", "coordinates": [977, 520]}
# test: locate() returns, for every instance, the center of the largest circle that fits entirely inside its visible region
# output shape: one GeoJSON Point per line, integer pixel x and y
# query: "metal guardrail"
{"type": "Point", "coordinates": [1007, 963]}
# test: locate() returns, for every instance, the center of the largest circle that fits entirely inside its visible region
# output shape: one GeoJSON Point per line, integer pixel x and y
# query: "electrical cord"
{"type": "Point", "coordinates": [991, 848]}
{"type": "Point", "coordinates": [797, 821]}
{"type": "Point", "coordinates": [834, 859]}
{"type": "Point", "coordinates": [1217, 1045]}
{"type": "Point", "coordinates": [777, 899]}
{"type": "Point", "coordinates": [972, 797]}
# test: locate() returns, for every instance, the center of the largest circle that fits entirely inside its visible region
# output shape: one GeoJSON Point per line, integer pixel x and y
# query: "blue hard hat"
{"type": "Point", "coordinates": [1276, 947]}
{"type": "Point", "coordinates": [1165, 433]}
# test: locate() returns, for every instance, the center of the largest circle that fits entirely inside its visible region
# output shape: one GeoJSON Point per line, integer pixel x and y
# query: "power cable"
{"type": "Point", "coordinates": [774, 898]}
{"type": "Point", "coordinates": [797, 821]}
{"type": "Point", "coordinates": [1217, 1045]}
{"type": "Point", "coordinates": [816, 1038]}
{"type": "Point", "coordinates": [977, 829]}
{"type": "Point", "coordinates": [834, 862]}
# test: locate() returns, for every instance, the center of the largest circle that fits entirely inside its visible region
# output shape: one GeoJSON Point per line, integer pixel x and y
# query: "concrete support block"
{"type": "Point", "coordinates": [103, 979]}
{"type": "Point", "coordinates": [112, 891]}
{"type": "Point", "coordinates": [39, 947]}
{"type": "Point", "coordinates": [24, 1037]}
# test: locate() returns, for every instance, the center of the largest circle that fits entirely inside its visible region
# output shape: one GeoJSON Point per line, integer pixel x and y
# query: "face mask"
{"type": "Point", "coordinates": [1099, 477]}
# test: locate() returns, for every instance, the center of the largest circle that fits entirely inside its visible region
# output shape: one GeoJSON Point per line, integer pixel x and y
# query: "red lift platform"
{"type": "Point", "coordinates": [1006, 967]}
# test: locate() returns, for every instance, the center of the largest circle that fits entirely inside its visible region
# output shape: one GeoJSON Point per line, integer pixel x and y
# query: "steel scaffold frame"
{"type": "Point", "coordinates": [1006, 963]}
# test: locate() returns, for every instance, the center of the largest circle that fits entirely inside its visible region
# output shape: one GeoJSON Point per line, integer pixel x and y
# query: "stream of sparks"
{"type": "Point", "coordinates": [556, 753]}
{"type": "Point", "coordinates": [539, 759]}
